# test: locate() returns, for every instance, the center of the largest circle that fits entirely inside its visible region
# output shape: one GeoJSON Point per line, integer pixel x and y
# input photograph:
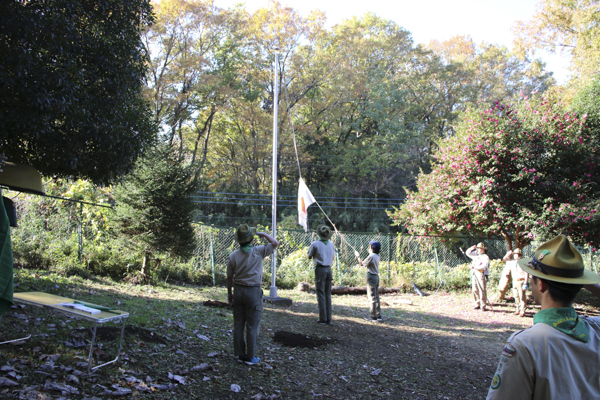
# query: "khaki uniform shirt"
{"type": "Point", "coordinates": [372, 264]}
{"type": "Point", "coordinates": [516, 271]}
{"type": "Point", "coordinates": [481, 262]}
{"type": "Point", "coordinates": [247, 269]}
{"type": "Point", "coordinates": [322, 253]}
{"type": "Point", "coordinates": [543, 363]}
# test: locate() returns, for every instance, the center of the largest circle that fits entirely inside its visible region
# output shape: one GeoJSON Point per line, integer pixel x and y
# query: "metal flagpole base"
{"type": "Point", "coordinates": [274, 299]}
{"type": "Point", "coordinates": [273, 291]}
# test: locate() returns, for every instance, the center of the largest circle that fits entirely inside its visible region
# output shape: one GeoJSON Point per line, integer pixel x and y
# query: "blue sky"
{"type": "Point", "coordinates": [484, 20]}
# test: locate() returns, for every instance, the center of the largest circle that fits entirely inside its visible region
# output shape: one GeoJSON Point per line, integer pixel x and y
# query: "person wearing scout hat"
{"type": "Point", "coordinates": [513, 272]}
{"type": "Point", "coordinates": [519, 281]}
{"type": "Point", "coordinates": [244, 276]}
{"type": "Point", "coordinates": [559, 356]}
{"type": "Point", "coordinates": [372, 264]}
{"type": "Point", "coordinates": [505, 277]}
{"type": "Point", "coordinates": [322, 252]}
{"type": "Point", "coordinates": [479, 271]}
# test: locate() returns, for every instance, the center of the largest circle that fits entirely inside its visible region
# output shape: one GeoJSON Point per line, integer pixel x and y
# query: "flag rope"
{"type": "Point", "coordinates": [299, 170]}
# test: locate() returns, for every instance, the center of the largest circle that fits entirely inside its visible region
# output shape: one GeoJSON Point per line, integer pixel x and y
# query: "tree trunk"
{"type": "Point", "coordinates": [508, 240]}
{"type": "Point", "coordinates": [146, 264]}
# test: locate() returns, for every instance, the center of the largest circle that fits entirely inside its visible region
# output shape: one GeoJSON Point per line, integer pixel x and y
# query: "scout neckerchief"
{"type": "Point", "coordinates": [324, 240]}
{"type": "Point", "coordinates": [566, 320]}
{"type": "Point", "coordinates": [246, 247]}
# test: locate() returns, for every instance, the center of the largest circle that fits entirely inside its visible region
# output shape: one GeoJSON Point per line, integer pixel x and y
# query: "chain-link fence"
{"type": "Point", "coordinates": [69, 230]}
{"type": "Point", "coordinates": [215, 245]}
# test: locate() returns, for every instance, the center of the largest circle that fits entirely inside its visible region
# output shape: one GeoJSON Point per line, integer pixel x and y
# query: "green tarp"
{"type": "Point", "coordinates": [6, 262]}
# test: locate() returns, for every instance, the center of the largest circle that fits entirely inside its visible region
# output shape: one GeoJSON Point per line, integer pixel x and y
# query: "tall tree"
{"type": "Point", "coordinates": [154, 205]}
{"type": "Point", "coordinates": [572, 26]}
{"type": "Point", "coordinates": [71, 75]}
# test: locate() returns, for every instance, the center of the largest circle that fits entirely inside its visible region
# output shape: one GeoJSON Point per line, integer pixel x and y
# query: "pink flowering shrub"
{"type": "Point", "coordinates": [522, 170]}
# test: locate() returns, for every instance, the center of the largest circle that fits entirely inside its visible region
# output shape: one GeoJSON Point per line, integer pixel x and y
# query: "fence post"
{"type": "Point", "coordinates": [437, 264]}
{"type": "Point", "coordinates": [337, 262]}
{"type": "Point", "coordinates": [80, 233]}
{"type": "Point", "coordinates": [212, 258]}
{"type": "Point", "coordinates": [389, 249]}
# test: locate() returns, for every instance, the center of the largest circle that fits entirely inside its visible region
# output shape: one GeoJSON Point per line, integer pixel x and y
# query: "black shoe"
{"type": "Point", "coordinates": [318, 321]}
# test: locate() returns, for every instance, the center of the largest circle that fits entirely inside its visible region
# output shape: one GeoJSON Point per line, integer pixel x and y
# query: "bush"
{"type": "Point", "coordinates": [294, 268]}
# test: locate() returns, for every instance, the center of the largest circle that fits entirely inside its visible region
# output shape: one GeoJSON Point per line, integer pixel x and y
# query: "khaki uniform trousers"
{"type": "Point", "coordinates": [373, 295]}
{"type": "Point", "coordinates": [323, 278]}
{"type": "Point", "coordinates": [520, 296]}
{"type": "Point", "coordinates": [478, 286]}
{"type": "Point", "coordinates": [504, 282]}
{"type": "Point", "coordinates": [247, 313]}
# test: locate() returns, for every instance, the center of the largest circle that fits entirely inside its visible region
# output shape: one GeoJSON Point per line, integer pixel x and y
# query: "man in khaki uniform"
{"type": "Point", "coordinates": [244, 274]}
{"type": "Point", "coordinates": [559, 356]}
{"type": "Point", "coordinates": [519, 278]}
{"type": "Point", "coordinates": [505, 277]}
{"type": "Point", "coordinates": [479, 267]}
{"type": "Point", "coordinates": [322, 252]}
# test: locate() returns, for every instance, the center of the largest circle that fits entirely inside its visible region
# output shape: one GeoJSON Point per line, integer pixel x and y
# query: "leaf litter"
{"type": "Point", "coordinates": [429, 347]}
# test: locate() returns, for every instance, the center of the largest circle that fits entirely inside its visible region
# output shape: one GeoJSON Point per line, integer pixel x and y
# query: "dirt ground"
{"type": "Point", "coordinates": [432, 347]}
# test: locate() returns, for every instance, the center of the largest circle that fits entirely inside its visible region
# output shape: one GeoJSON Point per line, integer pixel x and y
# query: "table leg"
{"type": "Point", "coordinates": [92, 348]}
{"type": "Point", "coordinates": [118, 350]}
{"type": "Point", "coordinates": [37, 310]}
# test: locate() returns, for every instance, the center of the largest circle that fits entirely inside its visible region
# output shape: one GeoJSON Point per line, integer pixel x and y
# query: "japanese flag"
{"type": "Point", "coordinates": [305, 199]}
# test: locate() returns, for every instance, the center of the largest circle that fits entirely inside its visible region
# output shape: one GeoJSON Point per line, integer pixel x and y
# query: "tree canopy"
{"type": "Point", "coordinates": [367, 104]}
{"type": "Point", "coordinates": [566, 26]}
{"type": "Point", "coordinates": [71, 78]}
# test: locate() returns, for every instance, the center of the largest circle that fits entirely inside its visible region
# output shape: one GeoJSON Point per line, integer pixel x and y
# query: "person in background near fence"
{"type": "Point", "coordinates": [559, 356]}
{"type": "Point", "coordinates": [519, 281]}
{"type": "Point", "coordinates": [479, 267]}
{"type": "Point", "coordinates": [244, 275]}
{"type": "Point", "coordinates": [322, 252]}
{"type": "Point", "coordinates": [372, 264]}
{"type": "Point", "coordinates": [505, 276]}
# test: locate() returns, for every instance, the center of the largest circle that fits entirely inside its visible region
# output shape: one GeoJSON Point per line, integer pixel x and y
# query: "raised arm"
{"type": "Point", "coordinates": [357, 254]}
{"type": "Point", "coordinates": [269, 238]}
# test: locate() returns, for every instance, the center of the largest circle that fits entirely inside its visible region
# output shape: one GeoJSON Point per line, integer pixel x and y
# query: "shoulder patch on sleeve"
{"type": "Point", "coordinates": [508, 351]}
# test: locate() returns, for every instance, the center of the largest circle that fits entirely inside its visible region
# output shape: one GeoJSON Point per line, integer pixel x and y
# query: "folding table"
{"type": "Point", "coordinates": [51, 302]}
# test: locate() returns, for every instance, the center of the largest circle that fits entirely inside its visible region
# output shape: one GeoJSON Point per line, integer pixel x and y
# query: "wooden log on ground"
{"type": "Point", "coordinates": [306, 287]}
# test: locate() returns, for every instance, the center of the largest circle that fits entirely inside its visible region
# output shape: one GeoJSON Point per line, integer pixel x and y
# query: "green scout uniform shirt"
{"type": "Point", "coordinates": [322, 253]}
{"type": "Point", "coordinates": [543, 363]}
{"type": "Point", "coordinates": [247, 269]}
{"type": "Point", "coordinates": [372, 264]}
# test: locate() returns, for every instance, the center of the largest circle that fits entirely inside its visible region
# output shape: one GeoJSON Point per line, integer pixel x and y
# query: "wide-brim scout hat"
{"type": "Point", "coordinates": [324, 232]}
{"type": "Point", "coordinates": [480, 245]}
{"type": "Point", "coordinates": [244, 234]}
{"type": "Point", "coordinates": [559, 261]}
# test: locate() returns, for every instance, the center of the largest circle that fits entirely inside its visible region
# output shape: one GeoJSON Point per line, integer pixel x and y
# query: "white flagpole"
{"type": "Point", "coordinates": [273, 289]}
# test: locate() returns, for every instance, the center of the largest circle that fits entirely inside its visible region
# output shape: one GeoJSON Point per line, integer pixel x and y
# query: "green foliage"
{"type": "Point", "coordinates": [72, 72]}
{"type": "Point", "coordinates": [297, 268]}
{"type": "Point", "coordinates": [154, 204]}
{"type": "Point", "coordinates": [294, 268]}
{"type": "Point", "coordinates": [565, 26]}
